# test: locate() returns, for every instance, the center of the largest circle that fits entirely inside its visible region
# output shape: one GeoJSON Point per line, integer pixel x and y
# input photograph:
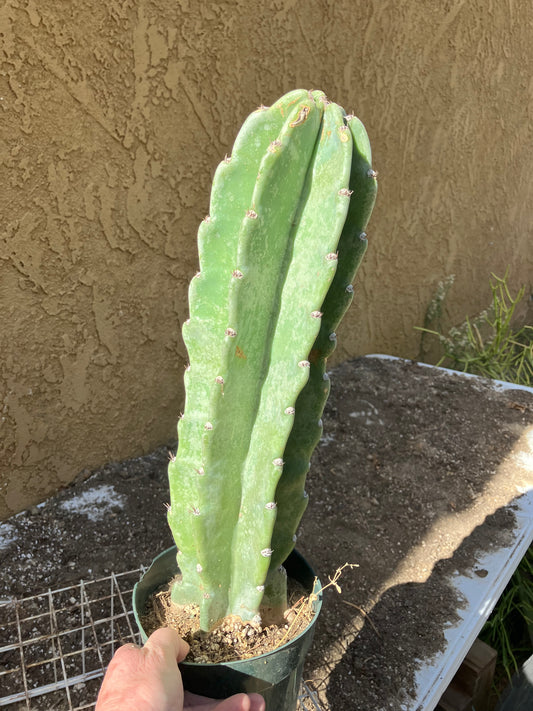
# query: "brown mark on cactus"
{"type": "Point", "coordinates": [273, 147]}
{"type": "Point", "coordinates": [314, 356]}
{"type": "Point", "coordinates": [304, 364]}
{"type": "Point", "coordinates": [316, 314]}
{"type": "Point", "coordinates": [345, 192]}
{"type": "Point", "coordinates": [301, 118]}
{"type": "Point", "coordinates": [251, 214]}
{"type": "Point", "coordinates": [230, 332]}
{"type": "Point", "coordinates": [240, 353]}
{"type": "Point", "coordinates": [237, 274]}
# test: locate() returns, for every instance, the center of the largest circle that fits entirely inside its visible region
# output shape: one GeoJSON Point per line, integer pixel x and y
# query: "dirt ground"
{"type": "Point", "coordinates": [411, 481]}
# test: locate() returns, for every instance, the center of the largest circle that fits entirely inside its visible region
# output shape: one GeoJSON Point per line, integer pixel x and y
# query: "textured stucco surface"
{"type": "Point", "coordinates": [113, 118]}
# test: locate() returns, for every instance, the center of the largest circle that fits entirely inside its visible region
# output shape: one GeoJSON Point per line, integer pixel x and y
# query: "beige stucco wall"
{"type": "Point", "coordinates": [114, 116]}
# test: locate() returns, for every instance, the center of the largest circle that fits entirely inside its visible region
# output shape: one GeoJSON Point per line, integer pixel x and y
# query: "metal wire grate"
{"type": "Point", "coordinates": [56, 646]}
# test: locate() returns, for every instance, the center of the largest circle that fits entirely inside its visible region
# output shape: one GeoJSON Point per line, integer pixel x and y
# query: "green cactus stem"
{"type": "Point", "coordinates": [307, 428]}
{"type": "Point", "coordinates": [262, 309]}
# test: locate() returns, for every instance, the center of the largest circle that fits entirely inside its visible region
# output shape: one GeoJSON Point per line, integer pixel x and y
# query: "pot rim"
{"type": "Point", "coordinates": [317, 605]}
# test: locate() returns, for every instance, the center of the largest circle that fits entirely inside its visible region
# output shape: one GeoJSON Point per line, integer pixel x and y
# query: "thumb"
{"type": "Point", "coordinates": [168, 643]}
{"type": "Point", "coordinates": [242, 702]}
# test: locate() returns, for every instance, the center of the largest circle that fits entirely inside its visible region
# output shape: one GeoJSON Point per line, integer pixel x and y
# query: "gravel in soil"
{"type": "Point", "coordinates": [232, 639]}
{"type": "Point", "coordinates": [413, 480]}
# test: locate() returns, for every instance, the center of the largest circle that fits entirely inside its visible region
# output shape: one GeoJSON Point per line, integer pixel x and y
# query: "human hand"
{"type": "Point", "coordinates": [239, 702]}
{"type": "Point", "coordinates": [148, 679]}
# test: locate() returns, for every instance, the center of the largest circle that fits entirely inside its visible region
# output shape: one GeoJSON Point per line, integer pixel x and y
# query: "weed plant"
{"type": "Point", "coordinates": [489, 344]}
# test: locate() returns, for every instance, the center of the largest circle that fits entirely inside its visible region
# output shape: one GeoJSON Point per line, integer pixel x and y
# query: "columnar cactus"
{"type": "Point", "coordinates": [278, 252]}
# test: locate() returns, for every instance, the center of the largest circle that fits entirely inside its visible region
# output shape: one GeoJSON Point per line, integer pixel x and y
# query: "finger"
{"type": "Point", "coordinates": [126, 654]}
{"type": "Point", "coordinates": [257, 702]}
{"type": "Point", "coordinates": [242, 702]}
{"type": "Point", "coordinates": [239, 702]}
{"type": "Point", "coordinates": [169, 643]}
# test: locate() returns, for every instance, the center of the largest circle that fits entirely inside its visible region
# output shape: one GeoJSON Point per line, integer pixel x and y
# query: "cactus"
{"type": "Point", "coordinates": [278, 252]}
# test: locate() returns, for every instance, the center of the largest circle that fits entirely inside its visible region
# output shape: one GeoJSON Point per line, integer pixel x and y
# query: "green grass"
{"type": "Point", "coordinates": [494, 345]}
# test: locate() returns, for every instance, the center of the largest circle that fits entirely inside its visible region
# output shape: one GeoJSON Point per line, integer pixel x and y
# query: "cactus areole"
{"type": "Point", "coordinates": [278, 253]}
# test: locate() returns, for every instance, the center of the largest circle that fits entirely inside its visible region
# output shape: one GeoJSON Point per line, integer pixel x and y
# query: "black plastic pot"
{"type": "Point", "coordinates": [276, 676]}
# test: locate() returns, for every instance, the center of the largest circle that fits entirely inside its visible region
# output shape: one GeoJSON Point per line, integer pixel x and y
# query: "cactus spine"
{"type": "Point", "coordinates": [277, 254]}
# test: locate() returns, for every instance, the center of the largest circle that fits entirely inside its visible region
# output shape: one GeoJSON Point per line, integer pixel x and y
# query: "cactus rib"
{"type": "Point", "coordinates": [307, 428]}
